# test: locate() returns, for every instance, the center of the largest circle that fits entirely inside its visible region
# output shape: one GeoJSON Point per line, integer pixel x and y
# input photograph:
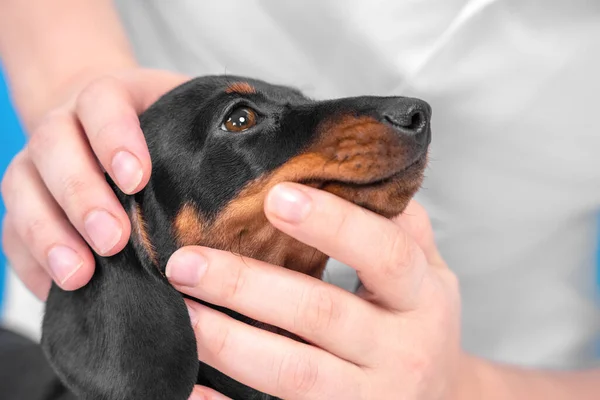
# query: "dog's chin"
{"type": "Point", "coordinates": [387, 194]}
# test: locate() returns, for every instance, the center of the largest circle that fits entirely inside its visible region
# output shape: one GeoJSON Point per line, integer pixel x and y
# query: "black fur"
{"type": "Point", "coordinates": [127, 335]}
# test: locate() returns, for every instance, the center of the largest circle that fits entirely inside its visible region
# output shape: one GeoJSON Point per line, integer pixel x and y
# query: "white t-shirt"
{"type": "Point", "coordinates": [513, 187]}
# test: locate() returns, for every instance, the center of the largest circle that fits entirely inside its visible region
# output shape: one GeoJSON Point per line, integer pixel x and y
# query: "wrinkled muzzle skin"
{"type": "Point", "coordinates": [218, 144]}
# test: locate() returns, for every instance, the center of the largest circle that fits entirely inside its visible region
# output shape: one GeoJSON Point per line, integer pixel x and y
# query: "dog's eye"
{"type": "Point", "coordinates": [239, 120]}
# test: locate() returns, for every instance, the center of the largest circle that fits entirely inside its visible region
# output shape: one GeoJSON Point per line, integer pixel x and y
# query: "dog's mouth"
{"type": "Point", "coordinates": [386, 194]}
{"type": "Point", "coordinates": [377, 182]}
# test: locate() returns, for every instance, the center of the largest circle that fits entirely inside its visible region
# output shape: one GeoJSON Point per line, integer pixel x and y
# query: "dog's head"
{"type": "Point", "coordinates": [218, 144]}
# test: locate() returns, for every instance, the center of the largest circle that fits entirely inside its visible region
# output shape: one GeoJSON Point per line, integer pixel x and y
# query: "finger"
{"type": "Point", "coordinates": [415, 221]}
{"type": "Point", "coordinates": [320, 313]}
{"type": "Point", "coordinates": [64, 160]}
{"type": "Point", "coordinates": [147, 85]}
{"type": "Point", "coordinates": [108, 113]}
{"type": "Point", "coordinates": [29, 271]}
{"type": "Point", "coordinates": [204, 393]}
{"type": "Point", "coordinates": [43, 229]}
{"type": "Point", "coordinates": [108, 110]}
{"type": "Point", "coordinates": [269, 362]}
{"type": "Point", "coordinates": [389, 262]}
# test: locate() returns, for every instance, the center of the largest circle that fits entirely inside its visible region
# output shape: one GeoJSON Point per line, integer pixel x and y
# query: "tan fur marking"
{"type": "Point", "coordinates": [358, 150]}
{"type": "Point", "coordinates": [240, 88]}
{"type": "Point", "coordinates": [188, 226]}
{"type": "Point", "coordinates": [139, 227]}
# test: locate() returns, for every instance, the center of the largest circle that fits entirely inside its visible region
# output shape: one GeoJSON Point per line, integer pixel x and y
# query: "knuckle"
{"type": "Point", "coordinates": [298, 374]}
{"type": "Point", "coordinates": [233, 283]}
{"type": "Point", "coordinates": [419, 366]}
{"type": "Point", "coordinates": [44, 135]}
{"type": "Point", "coordinates": [11, 175]}
{"type": "Point", "coordinates": [401, 257]}
{"type": "Point", "coordinates": [421, 228]}
{"type": "Point", "coordinates": [109, 136]}
{"type": "Point", "coordinates": [73, 191]}
{"type": "Point", "coordinates": [451, 280]}
{"type": "Point", "coordinates": [448, 298]}
{"type": "Point", "coordinates": [8, 179]}
{"type": "Point", "coordinates": [216, 340]}
{"type": "Point", "coordinates": [342, 225]}
{"type": "Point", "coordinates": [33, 231]}
{"type": "Point", "coordinates": [95, 90]}
{"type": "Point", "coordinates": [317, 311]}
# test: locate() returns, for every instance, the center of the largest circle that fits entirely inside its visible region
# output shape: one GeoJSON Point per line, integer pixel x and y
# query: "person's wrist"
{"type": "Point", "coordinates": [483, 379]}
{"type": "Point", "coordinates": [470, 377]}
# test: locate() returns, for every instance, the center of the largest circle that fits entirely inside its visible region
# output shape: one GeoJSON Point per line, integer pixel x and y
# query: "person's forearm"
{"type": "Point", "coordinates": [492, 381]}
{"type": "Point", "coordinates": [50, 46]}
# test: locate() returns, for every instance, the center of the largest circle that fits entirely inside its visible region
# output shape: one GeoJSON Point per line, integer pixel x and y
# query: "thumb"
{"type": "Point", "coordinates": [416, 223]}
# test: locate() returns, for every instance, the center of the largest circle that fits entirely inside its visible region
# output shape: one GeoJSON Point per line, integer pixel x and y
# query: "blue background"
{"type": "Point", "coordinates": [11, 141]}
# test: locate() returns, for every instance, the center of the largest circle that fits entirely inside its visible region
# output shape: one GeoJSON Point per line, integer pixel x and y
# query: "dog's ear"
{"type": "Point", "coordinates": [125, 335]}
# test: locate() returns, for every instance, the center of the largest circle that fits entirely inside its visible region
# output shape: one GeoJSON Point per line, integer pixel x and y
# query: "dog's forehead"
{"type": "Point", "coordinates": [278, 92]}
{"type": "Point", "coordinates": [217, 84]}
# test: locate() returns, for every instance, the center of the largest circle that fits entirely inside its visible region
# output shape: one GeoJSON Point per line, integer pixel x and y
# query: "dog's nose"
{"type": "Point", "coordinates": [410, 117]}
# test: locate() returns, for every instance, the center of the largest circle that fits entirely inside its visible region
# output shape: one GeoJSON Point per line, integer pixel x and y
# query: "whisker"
{"type": "Point", "coordinates": [312, 258]}
{"type": "Point", "coordinates": [240, 249]}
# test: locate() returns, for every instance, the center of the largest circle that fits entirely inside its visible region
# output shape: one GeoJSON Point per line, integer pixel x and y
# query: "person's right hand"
{"type": "Point", "coordinates": [55, 192]}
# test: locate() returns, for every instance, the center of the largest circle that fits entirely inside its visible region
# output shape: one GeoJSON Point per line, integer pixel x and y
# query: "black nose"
{"type": "Point", "coordinates": [410, 117]}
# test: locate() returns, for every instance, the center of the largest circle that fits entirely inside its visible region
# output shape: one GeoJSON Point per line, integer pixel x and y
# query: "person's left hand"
{"type": "Point", "coordinates": [398, 339]}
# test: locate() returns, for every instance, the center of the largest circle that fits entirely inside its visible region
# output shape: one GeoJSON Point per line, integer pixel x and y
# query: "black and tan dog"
{"type": "Point", "coordinates": [218, 144]}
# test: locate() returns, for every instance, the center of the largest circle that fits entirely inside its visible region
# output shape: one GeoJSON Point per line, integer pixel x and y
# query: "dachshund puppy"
{"type": "Point", "coordinates": [218, 144]}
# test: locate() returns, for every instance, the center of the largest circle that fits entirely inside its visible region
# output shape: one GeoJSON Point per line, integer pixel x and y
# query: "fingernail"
{"type": "Point", "coordinates": [192, 314]}
{"type": "Point", "coordinates": [128, 171]}
{"type": "Point", "coordinates": [186, 268]}
{"type": "Point", "coordinates": [103, 229]}
{"type": "Point", "coordinates": [63, 262]}
{"type": "Point", "coordinates": [289, 204]}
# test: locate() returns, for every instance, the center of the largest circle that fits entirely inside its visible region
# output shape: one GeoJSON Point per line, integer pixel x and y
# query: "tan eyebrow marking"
{"type": "Point", "coordinates": [240, 88]}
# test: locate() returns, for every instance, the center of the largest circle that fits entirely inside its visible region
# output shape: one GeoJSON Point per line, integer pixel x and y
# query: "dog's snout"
{"type": "Point", "coordinates": [410, 117]}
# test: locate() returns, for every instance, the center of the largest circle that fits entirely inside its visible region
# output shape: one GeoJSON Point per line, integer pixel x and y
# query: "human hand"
{"type": "Point", "coordinates": [398, 339]}
{"type": "Point", "coordinates": [55, 192]}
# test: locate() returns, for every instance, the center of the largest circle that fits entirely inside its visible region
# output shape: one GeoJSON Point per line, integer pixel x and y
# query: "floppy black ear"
{"type": "Point", "coordinates": [125, 335]}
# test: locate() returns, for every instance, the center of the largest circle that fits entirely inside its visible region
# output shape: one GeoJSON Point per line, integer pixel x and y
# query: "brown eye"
{"type": "Point", "coordinates": [239, 120]}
